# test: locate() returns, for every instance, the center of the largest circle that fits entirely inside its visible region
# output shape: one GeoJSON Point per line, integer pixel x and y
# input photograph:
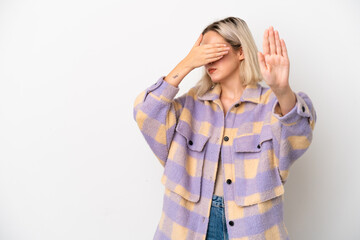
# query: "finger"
{"type": "Point", "coordinates": [217, 49]}
{"type": "Point", "coordinates": [272, 41]}
{"type": "Point", "coordinates": [266, 42]}
{"type": "Point", "coordinates": [284, 50]}
{"type": "Point", "coordinates": [210, 60]}
{"type": "Point", "coordinates": [278, 45]}
{"type": "Point", "coordinates": [214, 45]}
{"type": "Point", "coordinates": [198, 41]}
{"type": "Point", "coordinates": [214, 55]}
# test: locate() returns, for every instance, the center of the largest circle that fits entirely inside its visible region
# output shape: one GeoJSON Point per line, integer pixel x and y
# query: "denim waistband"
{"type": "Point", "coordinates": [217, 201]}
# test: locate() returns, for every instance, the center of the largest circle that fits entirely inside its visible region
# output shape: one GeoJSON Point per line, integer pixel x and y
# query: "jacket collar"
{"type": "Point", "coordinates": [251, 93]}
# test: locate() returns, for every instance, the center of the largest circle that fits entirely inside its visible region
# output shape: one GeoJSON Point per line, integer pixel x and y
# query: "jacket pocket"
{"type": "Point", "coordinates": [184, 167]}
{"type": "Point", "coordinates": [257, 177]}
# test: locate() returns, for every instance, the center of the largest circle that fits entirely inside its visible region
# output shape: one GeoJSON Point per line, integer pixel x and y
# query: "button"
{"type": "Point", "coordinates": [226, 138]}
{"type": "Point", "coordinates": [303, 108]}
{"type": "Point", "coordinates": [258, 146]}
{"type": "Point", "coordinates": [190, 142]}
{"type": "Point", "coordinates": [236, 105]}
{"type": "Point", "coordinates": [231, 223]}
{"type": "Point", "coordinates": [228, 181]}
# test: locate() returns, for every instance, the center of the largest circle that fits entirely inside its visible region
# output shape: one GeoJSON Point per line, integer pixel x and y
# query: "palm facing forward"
{"type": "Point", "coordinates": [274, 62]}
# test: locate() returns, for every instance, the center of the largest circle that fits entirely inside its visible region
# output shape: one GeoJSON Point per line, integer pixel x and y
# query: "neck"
{"type": "Point", "coordinates": [231, 88]}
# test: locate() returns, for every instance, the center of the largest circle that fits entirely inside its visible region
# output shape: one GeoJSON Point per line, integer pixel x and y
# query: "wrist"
{"type": "Point", "coordinates": [185, 64]}
{"type": "Point", "coordinates": [283, 92]}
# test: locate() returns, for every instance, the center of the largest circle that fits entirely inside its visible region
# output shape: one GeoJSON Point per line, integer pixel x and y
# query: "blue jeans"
{"type": "Point", "coordinates": [217, 224]}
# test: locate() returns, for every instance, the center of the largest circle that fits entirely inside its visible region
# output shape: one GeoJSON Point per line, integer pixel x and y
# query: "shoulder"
{"type": "Point", "coordinates": [190, 95]}
{"type": "Point", "coordinates": [187, 99]}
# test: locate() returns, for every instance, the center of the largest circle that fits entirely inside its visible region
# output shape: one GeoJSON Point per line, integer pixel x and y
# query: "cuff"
{"type": "Point", "coordinates": [301, 109]}
{"type": "Point", "coordinates": [162, 89]}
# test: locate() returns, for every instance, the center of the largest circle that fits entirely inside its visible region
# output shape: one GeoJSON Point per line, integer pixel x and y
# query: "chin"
{"type": "Point", "coordinates": [215, 79]}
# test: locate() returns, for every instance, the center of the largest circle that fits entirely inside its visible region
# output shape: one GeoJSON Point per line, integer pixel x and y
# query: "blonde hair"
{"type": "Point", "coordinates": [236, 32]}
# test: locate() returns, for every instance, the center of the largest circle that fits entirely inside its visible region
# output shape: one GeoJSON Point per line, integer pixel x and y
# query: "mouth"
{"type": "Point", "coordinates": [211, 70]}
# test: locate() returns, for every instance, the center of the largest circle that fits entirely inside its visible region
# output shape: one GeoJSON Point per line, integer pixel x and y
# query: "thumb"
{"type": "Point", "coordinates": [261, 61]}
{"type": "Point", "coordinates": [198, 41]}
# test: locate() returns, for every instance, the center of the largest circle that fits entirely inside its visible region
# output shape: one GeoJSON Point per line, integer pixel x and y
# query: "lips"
{"type": "Point", "coordinates": [211, 70]}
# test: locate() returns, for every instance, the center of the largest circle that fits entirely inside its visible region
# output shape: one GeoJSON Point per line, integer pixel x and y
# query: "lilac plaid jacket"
{"type": "Point", "coordinates": [257, 146]}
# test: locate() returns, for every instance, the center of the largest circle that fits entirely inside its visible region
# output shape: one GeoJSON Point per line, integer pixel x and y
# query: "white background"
{"type": "Point", "coordinates": [73, 163]}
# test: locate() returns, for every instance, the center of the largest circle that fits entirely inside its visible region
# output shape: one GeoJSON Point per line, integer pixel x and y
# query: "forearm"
{"type": "Point", "coordinates": [292, 132]}
{"type": "Point", "coordinates": [287, 102]}
{"type": "Point", "coordinates": [178, 73]}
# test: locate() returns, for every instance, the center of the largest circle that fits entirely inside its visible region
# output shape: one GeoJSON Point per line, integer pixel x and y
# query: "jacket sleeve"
{"type": "Point", "coordinates": [156, 113]}
{"type": "Point", "coordinates": [292, 132]}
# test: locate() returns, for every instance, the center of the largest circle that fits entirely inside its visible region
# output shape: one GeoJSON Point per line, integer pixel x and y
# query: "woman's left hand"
{"type": "Point", "coordinates": [274, 62]}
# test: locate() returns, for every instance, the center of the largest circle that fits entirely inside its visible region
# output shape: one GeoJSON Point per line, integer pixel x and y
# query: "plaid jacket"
{"type": "Point", "coordinates": [257, 146]}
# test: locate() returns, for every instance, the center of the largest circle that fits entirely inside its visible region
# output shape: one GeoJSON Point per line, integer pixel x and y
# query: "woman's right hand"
{"type": "Point", "coordinates": [204, 54]}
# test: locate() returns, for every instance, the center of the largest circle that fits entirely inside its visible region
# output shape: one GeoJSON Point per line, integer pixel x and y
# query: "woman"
{"type": "Point", "coordinates": [228, 143]}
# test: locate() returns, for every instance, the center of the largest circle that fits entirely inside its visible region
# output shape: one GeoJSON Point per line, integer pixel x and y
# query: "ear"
{"type": "Point", "coordinates": [240, 54]}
